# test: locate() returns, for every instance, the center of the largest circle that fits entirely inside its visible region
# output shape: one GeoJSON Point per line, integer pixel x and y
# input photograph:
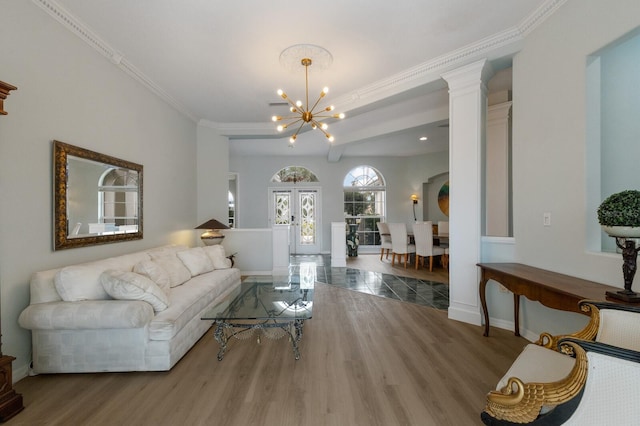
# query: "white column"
{"type": "Point", "coordinates": [280, 250]}
{"type": "Point", "coordinates": [338, 245]}
{"type": "Point", "coordinates": [467, 122]}
{"type": "Point", "coordinates": [497, 174]}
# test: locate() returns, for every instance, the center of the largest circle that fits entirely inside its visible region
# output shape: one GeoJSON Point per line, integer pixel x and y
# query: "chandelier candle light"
{"type": "Point", "coordinates": [302, 112]}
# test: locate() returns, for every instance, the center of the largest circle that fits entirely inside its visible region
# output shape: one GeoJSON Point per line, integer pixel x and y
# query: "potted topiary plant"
{"type": "Point", "coordinates": [619, 214]}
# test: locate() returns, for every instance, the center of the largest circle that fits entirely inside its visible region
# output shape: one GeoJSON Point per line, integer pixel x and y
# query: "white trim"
{"type": "Point", "coordinates": [459, 312]}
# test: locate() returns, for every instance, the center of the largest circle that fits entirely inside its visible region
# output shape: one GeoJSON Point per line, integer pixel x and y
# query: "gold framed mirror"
{"type": "Point", "coordinates": [97, 198]}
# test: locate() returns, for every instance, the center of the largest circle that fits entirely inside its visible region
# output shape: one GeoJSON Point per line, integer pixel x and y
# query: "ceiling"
{"type": "Point", "coordinates": [218, 62]}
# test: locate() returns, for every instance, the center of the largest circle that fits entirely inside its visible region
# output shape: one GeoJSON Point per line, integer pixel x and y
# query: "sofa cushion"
{"type": "Point", "coordinates": [156, 273]}
{"type": "Point", "coordinates": [178, 273]}
{"type": "Point", "coordinates": [88, 315]}
{"type": "Point", "coordinates": [168, 249]}
{"type": "Point", "coordinates": [131, 286]}
{"type": "Point", "coordinates": [80, 282]}
{"type": "Point", "coordinates": [218, 256]}
{"type": "Point", "coordinates": [189, 300]}
{"type": "Point", "coordinates": [196, 260]}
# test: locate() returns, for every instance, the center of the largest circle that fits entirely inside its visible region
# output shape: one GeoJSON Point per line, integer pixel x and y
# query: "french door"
{"type": "Point", "coordinates": [298, 208]}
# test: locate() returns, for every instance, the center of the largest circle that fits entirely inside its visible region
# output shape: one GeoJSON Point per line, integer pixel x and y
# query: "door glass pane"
{"type": "Point", "coordinates": [307, 218]}
{"type": "Point", "coordinates": [282, 203]}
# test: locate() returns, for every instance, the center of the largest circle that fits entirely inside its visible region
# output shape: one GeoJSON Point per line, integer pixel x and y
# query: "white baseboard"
{"type": "Point", "coordinates": [339, 262]}
{"type": "Point", "coordinates": [19, 372]}
{"type": "Point", "coordinates": [460, 313]}
{"type": "Point", "coordinates": [509, 325]}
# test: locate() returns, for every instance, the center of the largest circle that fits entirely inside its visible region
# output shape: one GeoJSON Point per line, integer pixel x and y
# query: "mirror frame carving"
{"type": "Point", "coordinates": [61, 241]}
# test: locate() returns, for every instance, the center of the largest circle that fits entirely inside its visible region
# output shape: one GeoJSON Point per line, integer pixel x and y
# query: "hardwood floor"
{"type": "Point", "coordinates": [365, 360]}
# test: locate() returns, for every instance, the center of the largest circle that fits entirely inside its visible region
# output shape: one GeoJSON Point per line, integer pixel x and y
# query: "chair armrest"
{"type": "Point", "coordinates": [603, 348]}
{"type": "Point", "coordinates": [86, 315]}
{"type": "Point", "coordinates": [588, 333]}
{"type": "Point", "coordinates": [520, 402]}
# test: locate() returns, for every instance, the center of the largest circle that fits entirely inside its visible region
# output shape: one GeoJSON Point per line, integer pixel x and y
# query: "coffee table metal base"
{"type": "Point", "coordinates": [291, 328]}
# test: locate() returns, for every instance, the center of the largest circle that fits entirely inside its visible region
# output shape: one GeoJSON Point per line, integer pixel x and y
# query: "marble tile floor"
{"type": "Point", "coordinates": [318, 268]}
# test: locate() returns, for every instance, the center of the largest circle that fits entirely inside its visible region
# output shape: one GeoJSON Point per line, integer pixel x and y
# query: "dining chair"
{"type": "Point", "coordinates": [385, 238]}
{"type": "Point", "coordinates": [443, 233]}
{"type": "Point", "coordinates": [443, 227]}
{"type": "Point", "coordinates": [423, 237]}
{"type": "Point", "coordinates": [445, 258]}
{"type": "Point", "coordinates": [400, 243]}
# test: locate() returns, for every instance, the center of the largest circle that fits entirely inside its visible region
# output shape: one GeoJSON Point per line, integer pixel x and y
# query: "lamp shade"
{"type": "Point", "coordinates": [212, 236]}
{"type": "Point", "coordinates": [212, 224]}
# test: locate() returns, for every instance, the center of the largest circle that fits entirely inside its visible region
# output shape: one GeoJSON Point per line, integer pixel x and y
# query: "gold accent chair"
{"type": "Point", "coordinates": [546, 383]}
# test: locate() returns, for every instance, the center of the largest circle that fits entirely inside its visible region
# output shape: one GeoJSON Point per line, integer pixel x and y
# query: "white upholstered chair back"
{"type": "Point", "coordinates": [399, 238]}
{"type": "Point", "coordinates": [400, 242]}
{"type": "Point", "coordinates": [619, 328]}
{"type": "Point", "coordinates": [423, 237]}
{"type": "Point", "coordinates": [385, 238]}
{"type": "Point", "coordinates": [443, 227]}
{"type": "Point", "coordinates": [385, 235]}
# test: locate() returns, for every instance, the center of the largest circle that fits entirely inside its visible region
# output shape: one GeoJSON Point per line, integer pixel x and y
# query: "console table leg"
{"type": "Point", "coordinates": [483, 301]}
{"type": "Point", "coordinates": [516, 313]}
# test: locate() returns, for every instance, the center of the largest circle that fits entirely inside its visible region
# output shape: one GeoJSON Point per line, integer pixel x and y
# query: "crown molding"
{"type": "Point", "coordinates": [72, 24]}
{"type": "Point", "coordinates": [433, 69]}
{"type": "Point", "coordinates": [545, 10]}
{"type": "Point", "coordinates": [412, 77]}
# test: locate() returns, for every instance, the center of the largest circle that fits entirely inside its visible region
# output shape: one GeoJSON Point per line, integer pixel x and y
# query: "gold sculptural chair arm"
{"type": "Point", "coordinates": [589, 332]}
{"type": "Point", "coordinates": [545, 376]}
{"type": "Point", "coordinates": [520, 402]}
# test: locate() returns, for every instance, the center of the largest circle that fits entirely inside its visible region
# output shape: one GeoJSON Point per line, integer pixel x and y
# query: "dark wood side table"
{"type": "Point", "coordinates": [553, 290]}
{"type": "Point", "coordinates": [10, 401]}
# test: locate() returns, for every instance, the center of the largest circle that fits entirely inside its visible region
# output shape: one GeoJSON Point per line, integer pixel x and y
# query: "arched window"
{"type": "Point", "coordinates": [118, 198]}
{"type": "Point", "coordinates": [294, 174]}
{"type": "Point", "coordinates": [365, 202]}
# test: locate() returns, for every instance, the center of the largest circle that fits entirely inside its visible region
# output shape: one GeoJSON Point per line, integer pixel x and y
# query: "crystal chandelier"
{"type": "Point", "coordinates": [303, 113]}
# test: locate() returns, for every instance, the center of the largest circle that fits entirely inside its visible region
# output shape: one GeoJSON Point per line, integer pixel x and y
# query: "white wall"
{"type": "Point", "coordinates": [404, 176]}
{"type": "Point", "coordinates": [549, 134]}
{"type": "Point", "coordinates": [70, 92]}
{"type": "Point", "coordinates": [213, 176]}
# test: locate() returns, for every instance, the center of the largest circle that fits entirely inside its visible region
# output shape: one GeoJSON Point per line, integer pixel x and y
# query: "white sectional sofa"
{"type": "Point", "coordinates": [136, 312]}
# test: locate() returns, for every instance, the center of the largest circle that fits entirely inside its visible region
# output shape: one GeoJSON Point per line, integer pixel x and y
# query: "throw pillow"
{"type": "Point", "coordinates": [178, 273]}
{"type": "Point", "coordinates": [80, 282]}
{"type": "Point", "coordinates": [155, 272]}
{"type": "Point", "coordinates": [218, 256]}
{"type": "Point", "coordinates": [196, 260]}
{"type": "Point", "coordinates": [131, 286]}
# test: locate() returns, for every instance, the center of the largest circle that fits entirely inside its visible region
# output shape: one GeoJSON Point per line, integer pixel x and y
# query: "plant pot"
{"type": "Point", "coordinates": [622, 231]}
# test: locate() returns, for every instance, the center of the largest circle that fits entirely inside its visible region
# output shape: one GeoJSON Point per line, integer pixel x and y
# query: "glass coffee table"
{"type": "Point", "coordinates": [264, 306]}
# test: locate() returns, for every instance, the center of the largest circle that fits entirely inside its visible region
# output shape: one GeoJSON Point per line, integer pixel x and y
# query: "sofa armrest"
{"type": "Point", "coordinates": [86, 315]}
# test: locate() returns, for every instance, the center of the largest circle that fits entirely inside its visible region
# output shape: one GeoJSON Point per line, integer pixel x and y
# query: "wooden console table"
{"type": "Point", "coordinates": [552, 289]}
